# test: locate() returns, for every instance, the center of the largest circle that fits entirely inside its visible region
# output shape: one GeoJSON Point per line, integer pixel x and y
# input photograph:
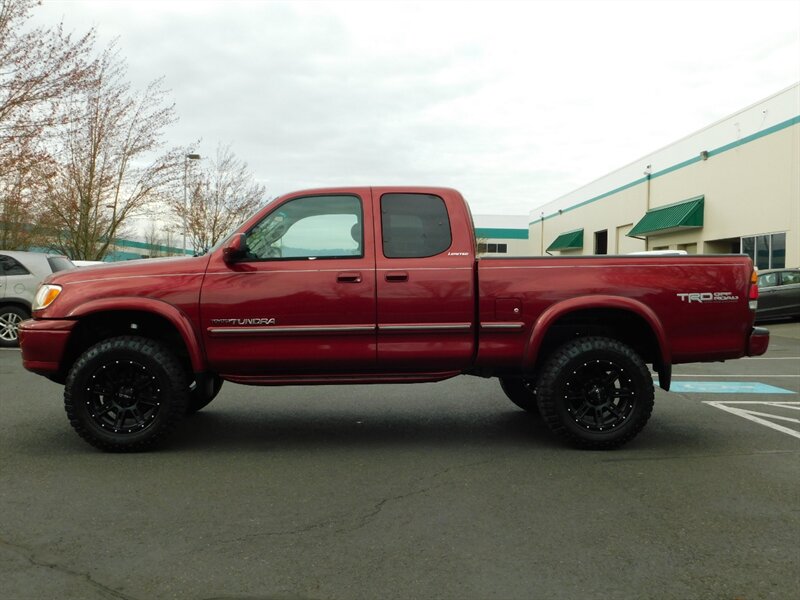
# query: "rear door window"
{"type": "Point", "coordinates": [414, 225]}
{"type": "Point", "coordinates": [11, 266]}
{"type": "Point", "coordinates": [790, 277]}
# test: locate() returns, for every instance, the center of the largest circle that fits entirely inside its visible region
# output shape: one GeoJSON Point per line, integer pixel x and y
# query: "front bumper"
{"type": "Point", "coordinates": [43, 343]}
{"type": "Point", "coordinates": [758, 341]}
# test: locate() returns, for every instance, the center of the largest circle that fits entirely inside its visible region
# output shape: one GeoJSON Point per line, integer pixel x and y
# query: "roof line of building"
{"type": "Point", "coordinates": [724, 148]}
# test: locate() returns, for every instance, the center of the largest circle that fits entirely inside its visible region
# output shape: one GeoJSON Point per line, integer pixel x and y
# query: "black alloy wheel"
{"type": "Point", "coordinates": [123, 397]}
{"type": "Point", "coordinates": [600, 395]}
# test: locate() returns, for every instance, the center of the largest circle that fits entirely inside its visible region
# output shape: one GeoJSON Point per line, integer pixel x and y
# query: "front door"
{"type": "Point", "coordinates": [302, 300]}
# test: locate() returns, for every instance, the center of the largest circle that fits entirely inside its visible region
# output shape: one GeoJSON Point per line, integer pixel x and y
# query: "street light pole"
{"type": "Point", "coordinates": [186, 160]}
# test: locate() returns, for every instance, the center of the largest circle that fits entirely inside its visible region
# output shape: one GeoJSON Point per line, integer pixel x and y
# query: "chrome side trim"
{"type": "Point", "coordinates": [582, 266]}
{"type": "Point", "coordinates": [502, 326]}
{"type": "Point", "coordinates": [299, 329]}
{"type": "Point", "coordinates": [425, 327]}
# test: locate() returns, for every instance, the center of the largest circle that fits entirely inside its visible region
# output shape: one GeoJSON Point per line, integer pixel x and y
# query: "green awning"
{"type": "Point", "coordinates": [570, 240]}
{"type": "Point", "coordinates": [673, 217]}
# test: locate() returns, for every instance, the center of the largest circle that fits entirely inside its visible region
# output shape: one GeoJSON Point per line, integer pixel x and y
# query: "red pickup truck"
{"type": "Point", "coordinates": [382, 285]}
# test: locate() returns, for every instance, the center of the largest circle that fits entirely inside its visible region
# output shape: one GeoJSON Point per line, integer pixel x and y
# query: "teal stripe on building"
{"type": "Point", "coordinates": [501, 233]}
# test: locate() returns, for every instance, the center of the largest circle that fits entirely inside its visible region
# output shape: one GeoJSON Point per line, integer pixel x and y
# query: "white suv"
{"type": "Point", "coordinates": [20, 275]}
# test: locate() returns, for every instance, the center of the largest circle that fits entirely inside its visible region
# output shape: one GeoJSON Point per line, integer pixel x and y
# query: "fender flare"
{"type": "Point", "coordinates": [176, 317]}
{"type": "Point", "coordinates": [560, 309]}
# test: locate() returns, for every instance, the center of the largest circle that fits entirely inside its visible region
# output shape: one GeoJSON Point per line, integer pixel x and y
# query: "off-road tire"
{"type": "Point", "coordinates": [124, 394]}
{"type": "Point", "coordinates": [202, 395]}
{"type": "Point", "coordinates": [595, 393]}
{"type": "Point", "coordinates": [10, 318]}
{"type": "Point", "coordinates": [521, 392]}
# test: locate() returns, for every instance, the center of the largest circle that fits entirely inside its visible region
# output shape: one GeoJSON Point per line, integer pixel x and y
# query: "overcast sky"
{"type": "Point", "coordinates": [513, 103]}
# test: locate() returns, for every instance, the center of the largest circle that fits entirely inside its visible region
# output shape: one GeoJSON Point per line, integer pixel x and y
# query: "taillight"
{"type": "Point", "coordinates": [754, 290]}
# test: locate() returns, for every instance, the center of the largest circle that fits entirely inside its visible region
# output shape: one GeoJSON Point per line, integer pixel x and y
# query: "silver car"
{"type": "Point", "coordinates": [20, 275]}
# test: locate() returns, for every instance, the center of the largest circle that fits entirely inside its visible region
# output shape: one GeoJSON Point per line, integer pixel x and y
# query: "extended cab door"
{"type": "Point", "coordinates": [425, 269]}
{"type": "Point", "coordinates": [302, 298]}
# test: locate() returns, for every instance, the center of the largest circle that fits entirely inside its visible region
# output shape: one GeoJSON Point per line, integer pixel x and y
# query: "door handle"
{"type": "Point", "coordinates": [396, 276]}
{"type": "Point", "coordinates": [352, 277]}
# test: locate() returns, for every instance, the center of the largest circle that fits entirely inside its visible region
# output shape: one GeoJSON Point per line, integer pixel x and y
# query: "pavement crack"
{"type": "Point", "coordinates": [348, 522]}
{"type": "Point", "coordinates": [30, 556]}
{"type": "Point", "coordinates": [366, 518]}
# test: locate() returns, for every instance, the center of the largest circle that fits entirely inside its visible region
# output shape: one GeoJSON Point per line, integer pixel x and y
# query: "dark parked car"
{"type": "Point", "coordinates": [779, 294]}
{"type": "Point", "coordinates": [20, 275]}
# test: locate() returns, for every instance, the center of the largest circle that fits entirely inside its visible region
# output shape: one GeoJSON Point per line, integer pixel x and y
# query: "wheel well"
{"type": "Point", "coordinates": [16, 304]}
{"type": "Point", "coordinates": [100, 326]}
{"type": "Point", "coordinates": [625, 326]}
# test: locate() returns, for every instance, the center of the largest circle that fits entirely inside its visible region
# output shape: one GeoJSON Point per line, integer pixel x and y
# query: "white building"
{"type": "Point", "coordinates": [733, 186]}
{"type": "Point", "coordinates": [500, 235]}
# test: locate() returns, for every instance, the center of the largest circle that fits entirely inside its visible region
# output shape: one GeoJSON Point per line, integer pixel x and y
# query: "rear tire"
{"type": "Point", "coordinates": [10, 318]}
{"type": "Point", "coordinates": [126, 393]}
{"type": "Point", "coordinates": [521, 392]}
{"type": "Point", "coordinates": [203, 394]}
{"type": "Point", "coordinates": [596, 393]}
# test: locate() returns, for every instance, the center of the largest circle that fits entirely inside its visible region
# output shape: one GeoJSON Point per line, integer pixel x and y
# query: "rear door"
{"type": "Point", "coordinates": [303, 299]}
{"type": "Point", "coordinates": [16, 280]}
{"type": "Point", "coordinates": [424, 281]}
{"type": "Point", "coordinates": [4, 260]}
{"type": "Point", "coordinates": [788, 294]}
{"type": "Point", "coordinates": [769, 295]}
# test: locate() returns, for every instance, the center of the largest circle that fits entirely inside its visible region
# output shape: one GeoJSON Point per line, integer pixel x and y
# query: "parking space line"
{"type": "Point", "coordinates": [754, 415]}
{"type": "Point", "coordinates": [726, 387]}
{"type": "Point", "coordinates": [740, 376]}
{"type": "Point", "coordinates": [789, 405]}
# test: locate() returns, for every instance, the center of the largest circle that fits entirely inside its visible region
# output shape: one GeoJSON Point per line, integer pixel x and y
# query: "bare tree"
{"type": "Point", "coordinates": [481, 245]}
{"type": "Point", "coordinates": [220, 196]}
{"type": "Point", "coordinates": [106, 172]}
{"type": "Point", "coordinates": [156, 238]}
{"type": "Point", "coordinates": [39, 69]}
{"type": "Point", "coordinates": [24, 220]}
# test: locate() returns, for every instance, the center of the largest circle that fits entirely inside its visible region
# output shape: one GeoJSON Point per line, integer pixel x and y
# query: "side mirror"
{"type": "Point", "coordinates": [235, 249]}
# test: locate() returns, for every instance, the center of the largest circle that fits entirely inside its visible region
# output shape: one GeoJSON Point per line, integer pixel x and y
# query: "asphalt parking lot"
{"type": "Point", "coordinates": [427, 491]}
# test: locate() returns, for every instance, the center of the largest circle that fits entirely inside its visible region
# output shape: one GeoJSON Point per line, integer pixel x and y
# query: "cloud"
{"type": "Point", "coordinates": [513, 103]}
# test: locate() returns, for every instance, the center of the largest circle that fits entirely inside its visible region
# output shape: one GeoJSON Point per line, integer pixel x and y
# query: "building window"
{"type": "Point", "coordinates": [492, 248]}
{"type": "Point", "coordinates": [767, 251]}
{"type": "Point", "coordinates": [601, 242]}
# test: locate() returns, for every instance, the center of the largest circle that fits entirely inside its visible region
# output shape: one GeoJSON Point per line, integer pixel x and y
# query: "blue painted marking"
{"type": "Point", "coordinates": [726, 387]}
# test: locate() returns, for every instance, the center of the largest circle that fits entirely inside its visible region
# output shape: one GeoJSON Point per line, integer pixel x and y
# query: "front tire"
{"type": "Point", "coordinates": [124, 394]}
{"type": "Point", "coordinates": [596, 393]}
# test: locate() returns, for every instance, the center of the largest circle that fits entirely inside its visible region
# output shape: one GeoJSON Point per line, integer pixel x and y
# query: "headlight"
{"type": "Point", "coordinates": [45, 296]}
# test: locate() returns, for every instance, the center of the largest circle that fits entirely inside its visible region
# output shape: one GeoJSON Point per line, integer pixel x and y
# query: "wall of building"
{"type": "Point", "coordinates": [747, 168]}
{"type": "Point", "coordinates": [506, 235]}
